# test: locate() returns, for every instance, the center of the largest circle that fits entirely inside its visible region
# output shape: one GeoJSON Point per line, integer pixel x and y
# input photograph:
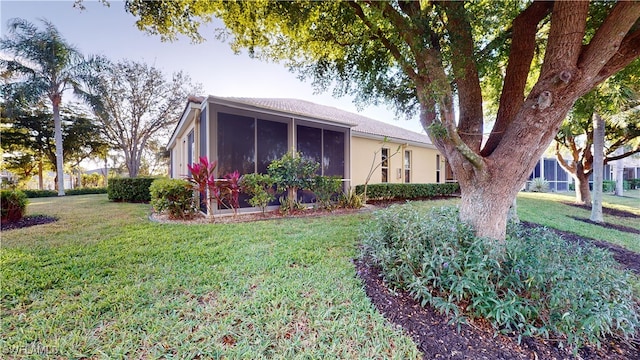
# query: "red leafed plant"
{"type": "Point", "coordinates": [203, 177]}
{"type": "Point", "coordinates": [224, 191]}
{"type": "Point", "coordinates": [233, 188]}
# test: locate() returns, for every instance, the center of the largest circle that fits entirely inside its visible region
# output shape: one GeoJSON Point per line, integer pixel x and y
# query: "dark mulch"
{"type": "Point", "coordinates": [608, 225]}
{"type": "Point", "coordinates": [30, 220]}
{"type": "Point", "coordinates": [606, 210]}
{"type": "Point", "coordinates": [437, 339]}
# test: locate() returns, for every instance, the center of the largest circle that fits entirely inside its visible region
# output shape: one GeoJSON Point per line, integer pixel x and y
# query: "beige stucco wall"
{"type": "Point", "coordinates": [423, 161]}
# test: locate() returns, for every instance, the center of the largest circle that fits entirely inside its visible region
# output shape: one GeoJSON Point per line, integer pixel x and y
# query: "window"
{"type": "Point", "coordinates": [437, 168]}
{"type": "Point", "coordinates": [333, 153]}
{"type": "Point", "coordinates": [272, 143]}
{"type": "Point", "coordinates": [191, 148]}
{"type": "Point", "coordinates": [385, 165]}
{"type": "Point", "coordinates": [324, 146]}
{"type": "Point", "coordinates": [407, 166]}
{"type": "Point", "coordinates": [236, 144]}
{"type": "Point", "coordinates": [309, 142]}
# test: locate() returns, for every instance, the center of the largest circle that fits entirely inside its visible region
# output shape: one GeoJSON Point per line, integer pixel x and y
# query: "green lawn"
{"type": "Point", "coordinates": [106, 282]}
{"type": "Point", "coordinates": [551, 210]}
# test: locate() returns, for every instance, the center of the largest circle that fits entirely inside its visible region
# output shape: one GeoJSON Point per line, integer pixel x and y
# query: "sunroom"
{"type": "Point", "coordinates": [247, 134]}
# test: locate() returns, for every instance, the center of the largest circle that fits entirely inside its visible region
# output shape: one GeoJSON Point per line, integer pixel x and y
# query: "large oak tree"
{"type": "Point", "coordinates": [433, 56]}
{"type": "Point", "coordinates": [135, 103]}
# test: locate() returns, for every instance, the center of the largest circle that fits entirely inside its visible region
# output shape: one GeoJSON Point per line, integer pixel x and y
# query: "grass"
{"type": "Point", "coordinates": [553, 210]}
{"type": "Point", "coordinates": [106, 282]}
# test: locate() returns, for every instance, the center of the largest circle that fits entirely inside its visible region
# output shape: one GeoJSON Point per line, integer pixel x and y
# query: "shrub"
{"type": "Point", "coordinates": [390, 191]}
{"type": "Point", "coordinates": [130, 189]}
{"type": "Point", "coordinates": [292, 172]}
{"type": "Point", "coordinates": [260, 188]}
{"type": "Point", "coordinates": [351, 200]}
{"type": "Point", "coordinates": [539, 285]}
{"type": "Point", "coordinates": [86, 191]}
{"type": "Point", "coordinates": [608, 186]}
{"type": "Point", "coordinates": [40, 193]}
{"type": "Point", "coordinates": [174, 196]}
{"type": "Point", "coordinates": [538, 185]}
{"type": "Point", "coordinates": [13, 205]}
{"type": "Point", "coordinates": [324, 188]}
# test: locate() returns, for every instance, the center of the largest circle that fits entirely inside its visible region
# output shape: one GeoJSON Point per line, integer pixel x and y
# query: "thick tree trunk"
{"type": "Point", "coordinates": [58, 137]}
{"type": "Point", "coordinates": [598, 155]}
{"type": "Point", "coordinates": [583, 195]}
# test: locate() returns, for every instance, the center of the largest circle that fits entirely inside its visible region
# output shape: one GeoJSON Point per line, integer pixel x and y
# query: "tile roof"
{"type": "Point", "coordinates": [360, 123]}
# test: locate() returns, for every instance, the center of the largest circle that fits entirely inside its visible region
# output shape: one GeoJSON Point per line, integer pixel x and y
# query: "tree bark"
{"type": "Point", "coordinates": [55, 100]}
{"type": "Point", "coordinates": [583, 195]}
{"type": "Point", "coordinates": [40, 177]}
{"type": "Point", "coordinates": [598, 155]}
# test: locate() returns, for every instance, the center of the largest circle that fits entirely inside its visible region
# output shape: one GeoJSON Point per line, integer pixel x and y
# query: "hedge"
{"type": "Point", "coordinates": [130, 189]}
{"type": "Point", "coordinates": [39, 193]}
{"type": "Point", "coordinates": [52, 193]}
{"type": "Point", "coordinates": [401, 191]}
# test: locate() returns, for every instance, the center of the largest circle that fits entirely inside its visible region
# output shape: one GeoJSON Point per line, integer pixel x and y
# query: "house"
{"type": "Point", "coordinates": [247, 134]}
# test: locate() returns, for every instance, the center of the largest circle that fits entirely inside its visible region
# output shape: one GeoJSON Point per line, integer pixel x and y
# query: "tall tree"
{"type": "Point", "coordinates": [44, 64]}
{"type": "Point", "coordinates": [423, 55]}
{"type": "Point", "coordinates": [137, 103]}
{"type": "Point", "coordinates": [32, 131]}
{"type": "Point", "coordinates": [617, 102]}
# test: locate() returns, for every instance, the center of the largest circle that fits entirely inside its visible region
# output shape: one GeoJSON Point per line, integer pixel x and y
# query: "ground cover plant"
{"type": "Point", "coordinates": [104, 281]}
{"type": "Point", "coordinates": [540, 286]}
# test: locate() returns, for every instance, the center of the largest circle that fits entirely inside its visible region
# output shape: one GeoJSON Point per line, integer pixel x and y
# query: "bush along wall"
{"type": "Point", "coordinates": [130, 189]}
{"type": "Point", "coordinates": [390, 191]}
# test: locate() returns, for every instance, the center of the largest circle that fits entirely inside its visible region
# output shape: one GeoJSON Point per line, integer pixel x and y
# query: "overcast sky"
{"type": "Point", "coordinates": [110, 31]}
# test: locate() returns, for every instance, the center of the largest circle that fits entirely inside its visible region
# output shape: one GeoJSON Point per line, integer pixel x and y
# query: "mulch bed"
{"type": "Point", "coordinates": [30, 220]}
{"type": "Point", "coordinates": [437, 339]}
{"type": "Point", "coordinates": [608, 225]}
{"type": "Point", "coordinates": [606, 210]}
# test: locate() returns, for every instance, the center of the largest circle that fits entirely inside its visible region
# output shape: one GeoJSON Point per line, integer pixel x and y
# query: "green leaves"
{"type": "Point", "coordinates": [541, 286]}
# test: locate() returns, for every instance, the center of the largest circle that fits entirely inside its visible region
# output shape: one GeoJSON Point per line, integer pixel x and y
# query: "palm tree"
{"type": "Point", "coordinates": [43, 64]}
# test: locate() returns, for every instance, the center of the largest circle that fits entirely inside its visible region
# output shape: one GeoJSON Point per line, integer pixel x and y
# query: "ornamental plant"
{"type": "Point", "coordinates": [175, 196]}
{"type": "Point", "coordinates": [260, 188]}
{"type": "Point", "coordinates": [293, 172]}
{"type": "Point", "coordinates": [203, 179]}
{"type": "Point", "coordinates": [324, 188]}
{"type": "Point", "coordinates": [223, 191]}
{"type": "Point", "coordinates": [13, 205]}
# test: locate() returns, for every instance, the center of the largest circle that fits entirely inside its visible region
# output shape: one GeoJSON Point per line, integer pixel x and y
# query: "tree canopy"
{"type": "Point", "coordinates": [28, 134]}
{"type": "Point", "coordinates": [135, 103]}
{"type": "Point", "coordinates": [434, 58]}
{"type": "Point", "coordinates": [43, 64]}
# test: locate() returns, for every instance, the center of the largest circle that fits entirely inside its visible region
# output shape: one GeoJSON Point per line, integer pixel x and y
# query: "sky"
{"type": "Point", "coordinates": [111, 31]}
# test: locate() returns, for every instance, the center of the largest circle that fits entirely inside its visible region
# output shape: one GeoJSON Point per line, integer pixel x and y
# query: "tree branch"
{"type": "Point", "coordinates": [607, 41]}
{"type": "Point", "coordinates": [465, 72]}
{"type": "Point", "coordinates": [393, 49]}
{"type": "Point", "coordinates": [628, 51]}
{"type": "Point", "coordinates": [523, 47]}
